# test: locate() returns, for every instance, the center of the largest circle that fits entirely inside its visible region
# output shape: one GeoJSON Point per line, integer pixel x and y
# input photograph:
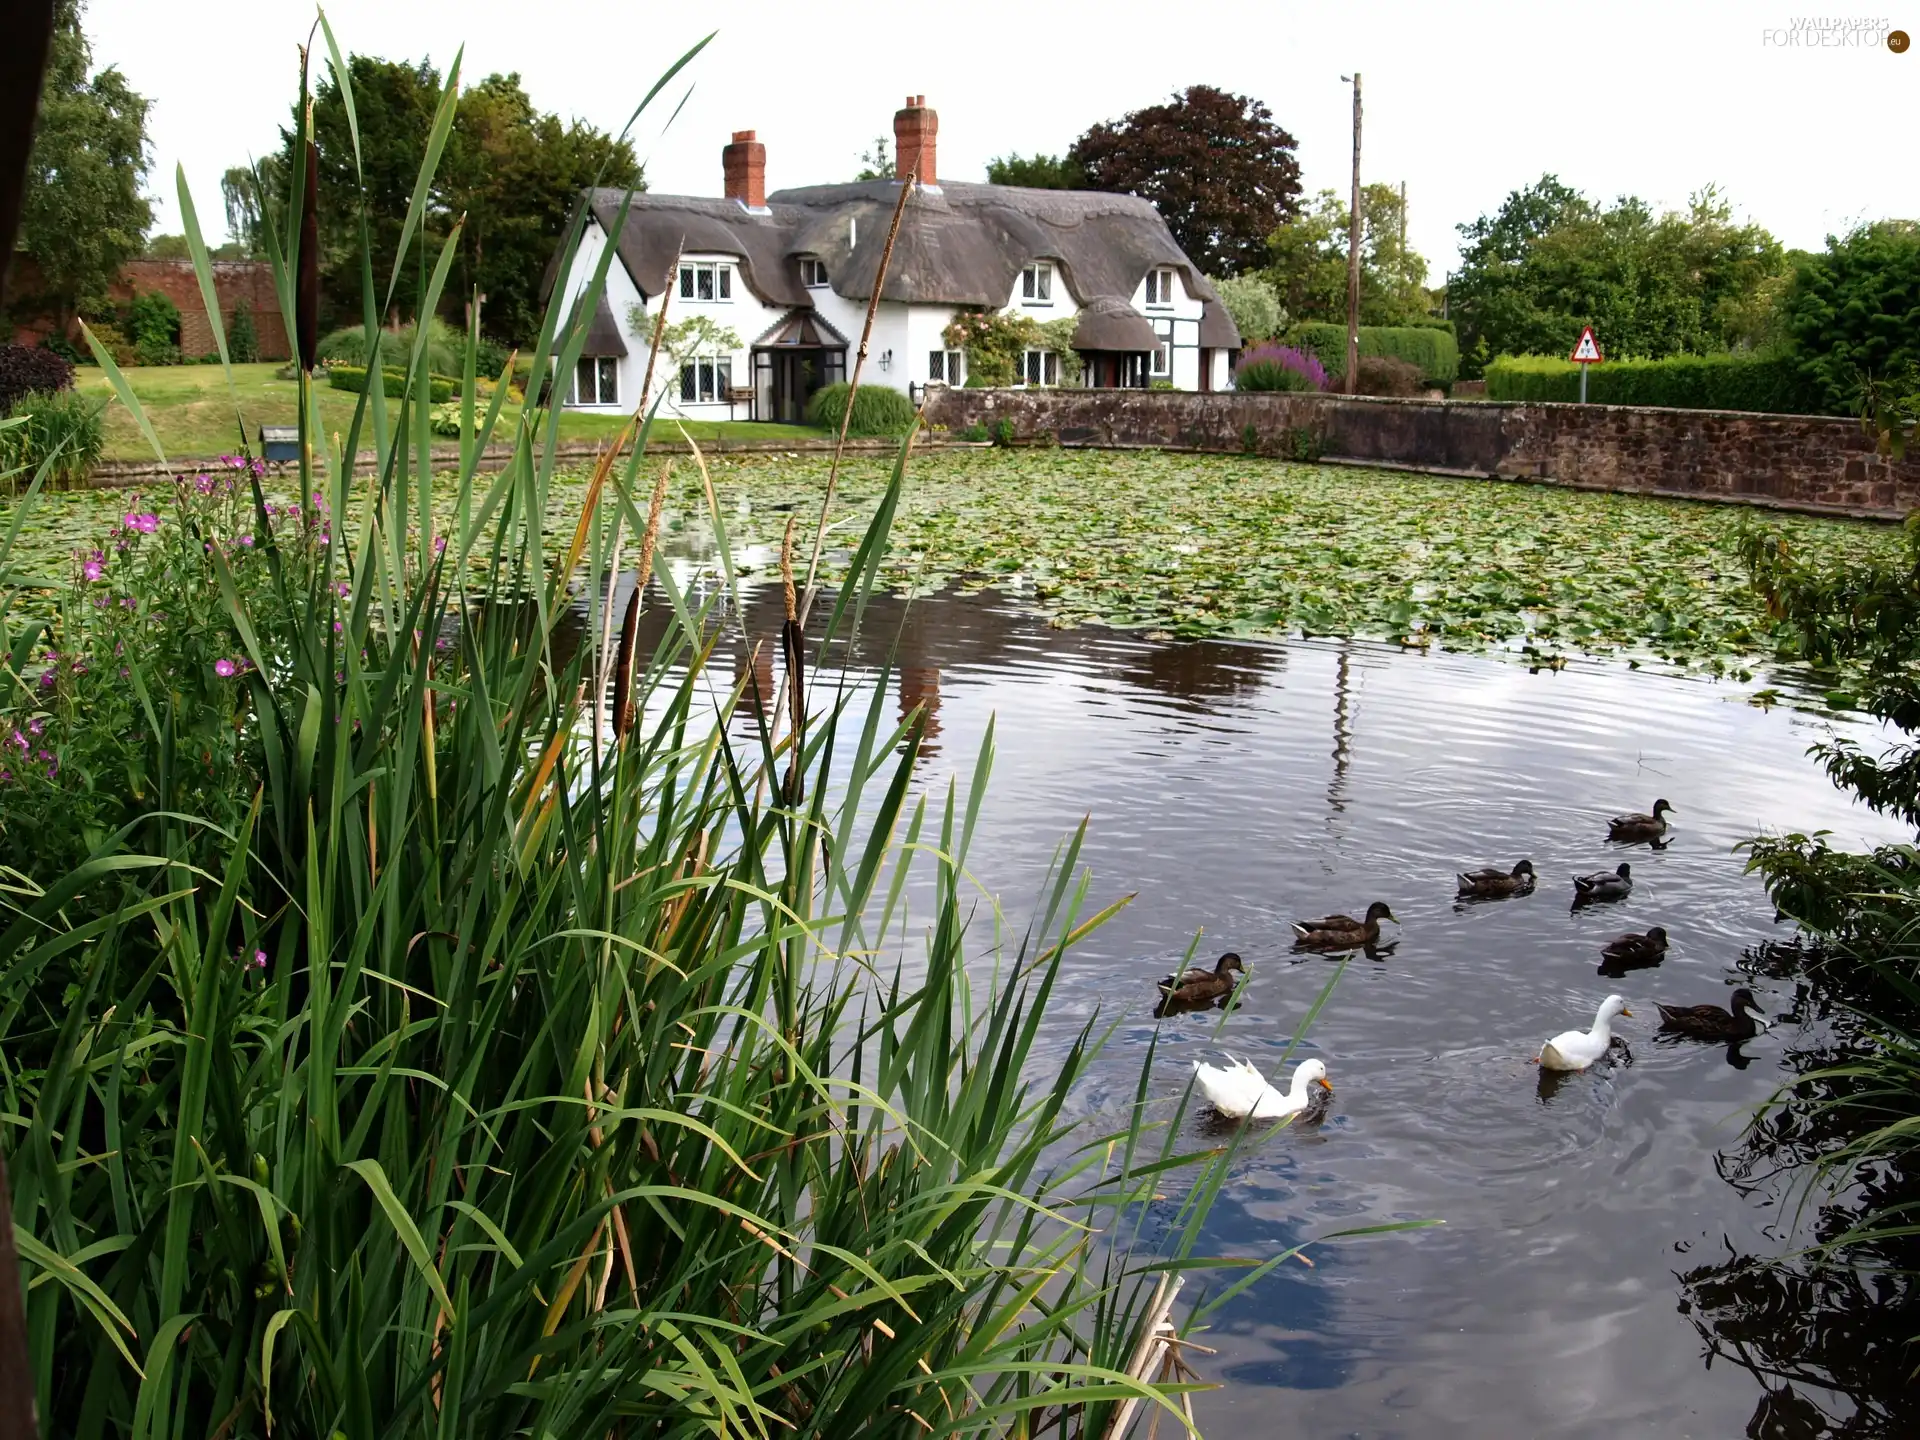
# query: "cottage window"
{"type": "Point", "coordinates": [596, 381]}
{"type": "Point", "coordinates": [1163, 352]}
{"type": "Point", "coordinates": [706, 280]}
{"type": "Point", "coordinates": [813, 273]}
{"type": "Point", "coordinates": [1039, 367]}
{"type": "Point", "coordinates": [1036, 284]}
{"type": "Point", "coordinates": [946, 367]}
{"type": "Point", "coordinates": [1159, 287]}
{"type": "Point", "coordinates": [705, 379]}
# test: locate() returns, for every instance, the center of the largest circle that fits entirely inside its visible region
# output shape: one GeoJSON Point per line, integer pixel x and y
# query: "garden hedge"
{"type": "Point", "coordinates": [1433, 349]}
{"type": "Point", "coordinates": [877, 410]}
{"type": "Point", "coordinates": [354, 378]}
{"type": "Point", "coordinates": [1769, 384]}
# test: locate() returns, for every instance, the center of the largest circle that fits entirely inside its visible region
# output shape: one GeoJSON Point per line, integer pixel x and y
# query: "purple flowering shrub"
{"type": "Point", "coordinates": [1279, 367]}
{"type": "Point", "coordinates": [140, 703]}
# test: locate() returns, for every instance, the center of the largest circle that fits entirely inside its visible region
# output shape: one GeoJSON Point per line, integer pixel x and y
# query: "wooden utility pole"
{"type": "Point", "coordinates": [1353, 255]}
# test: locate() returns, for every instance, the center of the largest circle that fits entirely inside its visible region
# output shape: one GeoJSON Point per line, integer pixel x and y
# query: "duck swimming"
{"type": "Point", "coordinates": [1342, 932]}
{"type": "Point", "coordinates": [1709, 1022]}
{"type": "Point", "coordinates": [1194, 986]}
{"type": "Point", "coordinates": [1241, 1092]}
{"type": "Point", "coordinates": [1640, 827]}
{"type": "Point", "coordinates": [1634, 950]}
{"type": "Point", "coordinates": [1603, 885]}
{"type": "Point", "coordinates": [1492, 882]}
{"type": "Point", "coordinates": [1577, 1049]}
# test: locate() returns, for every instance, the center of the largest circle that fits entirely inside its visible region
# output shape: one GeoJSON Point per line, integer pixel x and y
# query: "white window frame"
{"type": "Point", "coordinates": [715, 277]}
{"type": "Point", "coordinates": [1162, 367]}
{"type": "Point", "coordinates": [947, 367]}
{"type": "Point", "coordinates": [1036, 283]}
{"type": "Point", "coordinates": [709, 376]}
{"type": "Point", "coordinates": [605, 371]}
{"type": "Point", "coordinates": [1039, 370]}
{"type": "Point", "coordinates": [1160, 289]}
{"type": "Point", "coordinates": [813, 272]}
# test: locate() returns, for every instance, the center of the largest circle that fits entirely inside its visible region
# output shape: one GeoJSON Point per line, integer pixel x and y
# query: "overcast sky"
{"type": "Point", "coordinates": [1464, 102]}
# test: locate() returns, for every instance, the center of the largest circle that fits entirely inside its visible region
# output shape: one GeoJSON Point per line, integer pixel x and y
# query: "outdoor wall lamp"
{"type": "Point", "coordinates": [886, 359]}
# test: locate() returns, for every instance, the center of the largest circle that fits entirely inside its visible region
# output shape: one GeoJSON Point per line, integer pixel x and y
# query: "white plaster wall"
{"type": "Point", "coordinates": [1184, 312]}
{"type": "Point", "coordinates": [1062, 302]}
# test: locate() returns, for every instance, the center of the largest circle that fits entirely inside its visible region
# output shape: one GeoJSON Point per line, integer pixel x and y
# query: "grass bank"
{"type": "Point", "coordinates": [193, 413]}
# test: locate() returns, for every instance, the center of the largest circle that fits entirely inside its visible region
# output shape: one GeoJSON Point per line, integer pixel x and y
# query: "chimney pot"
{"type": "Point", "coordinates": [744, 164]}
{"type": "Point", "coordinates": [916, 130]}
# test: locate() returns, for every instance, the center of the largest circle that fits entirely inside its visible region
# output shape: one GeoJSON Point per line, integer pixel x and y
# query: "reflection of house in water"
{"type": "Point", "coordinates": [753, 677]}
{"type": "Point", "coordinates": [920, 689]}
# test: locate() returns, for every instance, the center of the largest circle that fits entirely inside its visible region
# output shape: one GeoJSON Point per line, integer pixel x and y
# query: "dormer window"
{"type": "Point", "coordinates": [813, 273]}
{"type": "Point", "coordinates": [1159, 287]}
{"type": "Point", "coordinates": [1036, 284]}
{"type": "Point", "coordinates": [707, 280]}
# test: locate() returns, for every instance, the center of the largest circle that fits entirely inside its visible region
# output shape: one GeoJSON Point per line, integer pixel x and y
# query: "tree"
{"type": "Point", "coordinates": [516, 174]}
{"type": "Point", "coordinates": [1308, 263]}
{"type": "Point", "coordinates": [253, 193]}
{"type": "Point", "coordinates": [1221, 173]}
{"type": "Point", "coordinates": [82, 213]}
{"type": "Point", "coordinates": [1254, 305]}
{"type": "Point", "coordinates": [1551, 261]}
{"type": "Point", "coordinates": [1854, 311]}
{"type": "Point", "coordinates": [875, 164]}
{"type": "Point", "coordinates": [1037, 172]}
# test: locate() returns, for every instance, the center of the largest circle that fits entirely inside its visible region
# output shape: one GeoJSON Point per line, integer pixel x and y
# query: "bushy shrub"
{"type": "Point", "coordinates": [62, 424]}
{"type": "Point", "coordinates": [877, 410]}
{"type": "Point", "coordinates": [976, 434]}
{"type": "Point", "coordinates": [1254, 305]}
{"type": "Point", "coordinates": [1432, 348]}
{"type": "Point", "coordinates": [1279, 367]}
{"type": "Point", "coordinates": [445, 420]}
{"type": "Point", "coordinates": [1854, 310]}
{"type": "Point", "coordinates": [114, 341]}
{"type": "Point", "coordinates": [243, 340]}
{"type": "Point", "coordinates": [31, 370]}
{"type": "Point", "coordinates": [353, 378]}
{"type": "Point", "coordinates": [446, 347]}
{"type": "Point", "coordinates": [1384, 375]}
{"type": "Point", "coordinates": [1775, 384]}
{"type": "Point", "coordinates": [153, 321]}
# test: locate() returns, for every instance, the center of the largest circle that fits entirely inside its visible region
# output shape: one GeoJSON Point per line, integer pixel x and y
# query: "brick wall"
{"type": "Point", "coordinates": [1801, 462]}
{"type": "Point", "coordinates": [233, 281]}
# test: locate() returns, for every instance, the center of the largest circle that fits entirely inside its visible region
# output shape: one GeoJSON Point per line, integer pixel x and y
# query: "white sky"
{"type": "Point", "coordinates": [1464, 101]}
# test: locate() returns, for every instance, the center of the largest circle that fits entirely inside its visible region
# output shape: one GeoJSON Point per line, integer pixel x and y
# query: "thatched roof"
{"type": "Point", "coordinates": [603, 335]}
{"type": "Point", "coordinates": [958, 244]}
{"type": "Point", "coordinates": [1110, 324]}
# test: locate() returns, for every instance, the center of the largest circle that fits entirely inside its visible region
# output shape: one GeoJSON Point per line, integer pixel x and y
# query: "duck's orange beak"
{"type": "Point", "coordinates": [1627, 1013]}
{"type": "Point", "coordinates": [1325, 1084]}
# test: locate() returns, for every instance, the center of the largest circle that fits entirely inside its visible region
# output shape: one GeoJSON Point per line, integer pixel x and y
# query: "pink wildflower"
{"type": "Point", "coordinates": [224, 668]}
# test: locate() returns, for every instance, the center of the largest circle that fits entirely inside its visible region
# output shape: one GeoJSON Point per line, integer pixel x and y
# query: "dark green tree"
{"type": "Point", "coordinates": [1854, 311]}
{"type": "Point", "coordinates": [1309, 261]}
{"type": "Point", "coordinates": [252, 193]}
{"type": "Point", "coordinates": [1221, 173]}
{"type": "Point", "coordinates": [1037, 172]}
{"type": "Point", "coordinates": [82, 214]}
{"type": "Point", "coordinates": [515, 173]}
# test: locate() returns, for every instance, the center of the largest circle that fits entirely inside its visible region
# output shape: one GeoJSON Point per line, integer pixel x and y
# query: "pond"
{"type": "Point", "coordinates": [1236, 786]}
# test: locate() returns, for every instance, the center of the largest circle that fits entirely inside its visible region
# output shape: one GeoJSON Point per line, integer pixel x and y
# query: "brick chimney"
{"type": "Point", "coordinates": [745, 165]}
{"type": "Point", "coordinates": [916, 129]}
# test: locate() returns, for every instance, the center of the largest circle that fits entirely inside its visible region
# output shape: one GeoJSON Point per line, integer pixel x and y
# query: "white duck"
{"type": "Point", "coordinates": [1577, 1049]}
{"type": "Point", "coordinates": [1241, 1092]}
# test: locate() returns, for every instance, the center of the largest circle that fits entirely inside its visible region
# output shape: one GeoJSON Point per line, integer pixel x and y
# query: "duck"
{"type": "Point", "coordinates": [1240, 1092]}
{"type": "Point", "coordinates": [1200, 984]}
{"type": "Point", "coordinates": [1709, 1022]}
{"type": "Point", "coordinates": [1634, 949]}
{"type": "Point", "coordinates": [1640, 827]}
{"type": "Point", "coordinates": [1603, 885]}
{"type": "Point", "coordinates": [1493, 882]}
{"type": "Point", "coordinates": [1577, 1049]}
{"type": "Point", "coordinates": [1342, 932]}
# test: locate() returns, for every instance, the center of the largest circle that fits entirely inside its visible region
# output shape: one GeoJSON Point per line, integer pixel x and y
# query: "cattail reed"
{"type": "Point", "coordinates": [630, 622]}
{"type": "Point", "coordinates": [793, 646]}
{"type": "Point", "coordinates": [306, 314]}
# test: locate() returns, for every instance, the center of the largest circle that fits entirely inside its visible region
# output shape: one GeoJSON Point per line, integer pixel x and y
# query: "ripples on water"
{"type": "Point", "coordinates": [1236, 787]}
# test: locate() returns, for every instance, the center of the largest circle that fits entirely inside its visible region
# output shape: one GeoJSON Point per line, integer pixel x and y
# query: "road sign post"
{"type": "Point", "coordinates": [1586, 351]}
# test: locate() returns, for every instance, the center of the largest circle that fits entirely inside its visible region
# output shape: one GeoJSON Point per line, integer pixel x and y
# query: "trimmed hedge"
{"type": "Point", "coordinates": [876, 410]}
{"type": "Point", "coordinates": [31, 370]}
{"type": "Point", "coordinates": [1766, 384]}
{"type": "Point", "coordinates": [353, 378]}
{"type": "Point", "coordinates": [1433, 349]}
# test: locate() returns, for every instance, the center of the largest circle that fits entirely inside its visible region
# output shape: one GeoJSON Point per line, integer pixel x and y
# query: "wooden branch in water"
{"type": "Point", "coordinates": [1149, 1353]}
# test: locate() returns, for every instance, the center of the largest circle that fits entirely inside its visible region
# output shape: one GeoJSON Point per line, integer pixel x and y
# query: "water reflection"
{"type": "Point", "coordinates": [1235, 787]}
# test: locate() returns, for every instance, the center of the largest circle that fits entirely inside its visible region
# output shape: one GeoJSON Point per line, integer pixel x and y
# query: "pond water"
{"type": "Point", "coordinates": [1237, 786]}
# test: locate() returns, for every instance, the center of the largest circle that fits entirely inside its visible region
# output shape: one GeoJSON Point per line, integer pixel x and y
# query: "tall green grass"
{"type": "Point", "coordinates": [534, 1060]}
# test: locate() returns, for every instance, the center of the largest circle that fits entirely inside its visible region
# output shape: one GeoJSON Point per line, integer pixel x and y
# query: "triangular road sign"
{"type": "Point", "coordinates": [1587, 352]}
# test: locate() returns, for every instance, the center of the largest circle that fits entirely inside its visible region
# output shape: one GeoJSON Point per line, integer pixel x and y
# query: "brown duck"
{"type": "Point", "coordinates": [1635, 949]}
{"type": "Point", "coordinates": [1640, 827]}
{"type": "Point", "coordinates": [1195, 986]}
{"type": "Point", "coordinates": [1342, 932]}
{"type": "Point", "coordinates": [1709, 1022]}
{"type": "Point", "coordinates": [1493, 882]}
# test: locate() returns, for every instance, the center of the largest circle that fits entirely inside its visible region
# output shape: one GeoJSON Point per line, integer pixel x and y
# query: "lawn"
{"type": "Point", "coordinates": [1229, 545]}
{"type": "Point", "coordinates": [193, 413]}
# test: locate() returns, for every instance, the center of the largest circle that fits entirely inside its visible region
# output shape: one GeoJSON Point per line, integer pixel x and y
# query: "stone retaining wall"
{"type": "Point", "coordinates": [1799, 462]}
